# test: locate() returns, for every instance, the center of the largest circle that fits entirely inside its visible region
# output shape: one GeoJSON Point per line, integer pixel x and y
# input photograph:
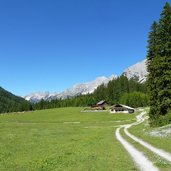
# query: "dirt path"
{"type": "Point", "coordinates": [160, 152]}
{"type": "Point", "coordinates": [142, 162]}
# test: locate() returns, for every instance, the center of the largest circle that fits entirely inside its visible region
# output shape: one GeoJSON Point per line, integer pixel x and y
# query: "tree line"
{"type": "Point", "coordinates": [119, 90]}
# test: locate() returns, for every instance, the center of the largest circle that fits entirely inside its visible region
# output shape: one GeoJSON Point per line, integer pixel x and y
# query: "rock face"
{"type": "Point", "coordinates": [78, 89]}
{"type": "Point", "coordinates": [36, 97]}
{"type": "Point", "coordinates": [137, 71]}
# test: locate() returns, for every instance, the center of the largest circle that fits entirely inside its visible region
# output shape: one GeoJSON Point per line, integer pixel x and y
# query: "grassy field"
{"type": "Point", "coordinates": [62, 139]}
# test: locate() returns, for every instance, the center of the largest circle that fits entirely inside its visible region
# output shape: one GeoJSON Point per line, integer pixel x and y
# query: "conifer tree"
{"type": "Point", "coordinates": [164, 83]}
{"type": "Point", "coordinates": [159, 66]}
{"type": "Point", "coordinates": [151, 63]}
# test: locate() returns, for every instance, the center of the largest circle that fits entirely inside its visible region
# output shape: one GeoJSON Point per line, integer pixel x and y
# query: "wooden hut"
{"type": "Point", "coordinates": [100, 105]}
{"type": "Point", "coordinates": [119, 108]}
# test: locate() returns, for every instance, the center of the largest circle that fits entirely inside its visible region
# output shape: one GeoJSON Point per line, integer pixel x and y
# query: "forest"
{"type": "Point", "coordinates": [12, 103]}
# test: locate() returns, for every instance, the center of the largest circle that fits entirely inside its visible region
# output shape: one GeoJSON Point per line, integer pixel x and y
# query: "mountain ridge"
{"type": "Point", "coordinates": [75, 90]}
{"type": "Point", "coordinates": [138, 71]}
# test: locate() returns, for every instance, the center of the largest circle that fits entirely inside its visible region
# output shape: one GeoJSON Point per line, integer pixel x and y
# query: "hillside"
{"type": "Point", "coordinates": [12, 103]}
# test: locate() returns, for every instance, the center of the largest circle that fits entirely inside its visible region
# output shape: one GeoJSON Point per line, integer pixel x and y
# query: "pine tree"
{"type": "Point", "coordinates": [151, 67]}
{"type": "Point", "coordinates": [159, 66]}
{"type": "Point", "coordinates": [164, 83]}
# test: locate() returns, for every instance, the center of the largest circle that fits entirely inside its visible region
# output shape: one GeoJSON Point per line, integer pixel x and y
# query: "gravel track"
{"type": "Point", "coordinates": [142, 162]}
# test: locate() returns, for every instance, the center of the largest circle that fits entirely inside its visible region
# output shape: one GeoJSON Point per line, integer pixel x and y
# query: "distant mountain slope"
{"type": "Point", "coordinates": [12, 103]}
{"type": "Point", "coordinates": [78, 89]}
{"type": "Point", "coordinates": [138, 71]}
{"type": "Point", "coordinates": [38, 96]}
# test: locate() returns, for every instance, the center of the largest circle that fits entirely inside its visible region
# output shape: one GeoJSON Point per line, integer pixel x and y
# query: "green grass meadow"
{"type": "Point", "coordinates": [62, 139]}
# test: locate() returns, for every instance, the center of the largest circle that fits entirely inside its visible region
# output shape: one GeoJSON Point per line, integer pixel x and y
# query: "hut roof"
{"type": "Point", "coordinates": [121, 105]}
{"type": "Point", "coordinates": [101, 102]}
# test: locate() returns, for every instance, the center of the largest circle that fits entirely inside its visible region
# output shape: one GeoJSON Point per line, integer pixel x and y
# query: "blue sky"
{"type": "Point", "coordinates": [49, 45]}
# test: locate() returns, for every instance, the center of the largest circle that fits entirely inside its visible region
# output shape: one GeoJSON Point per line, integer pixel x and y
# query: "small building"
{"type": "Point", "coordinates": [102, 103]}
{"type": "Point", "coordinates": [99, 106]}
{"type": "Point", "coordinates": [119, 108]}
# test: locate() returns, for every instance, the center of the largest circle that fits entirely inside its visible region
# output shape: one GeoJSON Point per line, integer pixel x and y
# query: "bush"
{"type": "Point", "coordinates": [161, 120]}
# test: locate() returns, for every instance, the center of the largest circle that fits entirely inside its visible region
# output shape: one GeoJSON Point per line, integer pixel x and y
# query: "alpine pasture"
{"type": "Point", "coordinates": [62, 139]}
